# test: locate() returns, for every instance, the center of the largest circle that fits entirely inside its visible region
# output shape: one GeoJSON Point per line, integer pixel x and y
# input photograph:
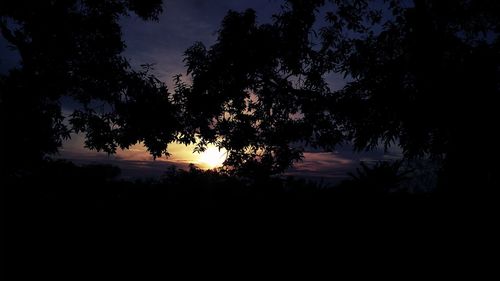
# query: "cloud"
{"type": "Point", "coordinates": [332, 167]}
{"type": "Point", "coordinates": [326, 166]}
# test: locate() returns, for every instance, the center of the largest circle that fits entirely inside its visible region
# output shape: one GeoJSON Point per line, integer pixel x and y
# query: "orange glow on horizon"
{"type": "Point", "coordinates": [211, 158]}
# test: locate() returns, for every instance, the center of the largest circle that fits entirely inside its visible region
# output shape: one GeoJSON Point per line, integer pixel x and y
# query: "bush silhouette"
{"type": "Point", "coordinates": [381, 178]}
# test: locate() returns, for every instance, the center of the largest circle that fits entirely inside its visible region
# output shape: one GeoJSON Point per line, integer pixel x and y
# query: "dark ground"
{"type": "Point", "coordinates": [78, 221]}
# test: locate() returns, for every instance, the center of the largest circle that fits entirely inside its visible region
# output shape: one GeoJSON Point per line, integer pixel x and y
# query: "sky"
{"type": "Point", "coordinates": [182, 23]}
{"type": "Point", "coordinates": [162, 43]}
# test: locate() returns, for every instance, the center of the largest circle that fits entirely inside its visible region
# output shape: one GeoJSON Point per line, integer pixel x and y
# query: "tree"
{"type": "Point", "coordinates": [255, 91]}
{"type": "Point", "coordinates": [72, 49]}
{"type": "Point", "coordinates": [422, 74]}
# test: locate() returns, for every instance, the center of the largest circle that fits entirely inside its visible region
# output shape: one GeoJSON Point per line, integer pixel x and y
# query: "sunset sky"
{"type": "Point", "coordinates": [163, 44]}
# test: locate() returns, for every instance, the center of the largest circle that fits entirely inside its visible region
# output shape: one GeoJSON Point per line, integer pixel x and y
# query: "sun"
{"type": "Point", "coordinates": [212, 157]}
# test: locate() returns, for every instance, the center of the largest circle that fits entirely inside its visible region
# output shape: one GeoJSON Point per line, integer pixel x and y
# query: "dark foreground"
{"type": "Point", "coordinates": [81, 221]}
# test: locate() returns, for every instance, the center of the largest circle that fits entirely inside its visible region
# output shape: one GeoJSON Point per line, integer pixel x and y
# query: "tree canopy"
{"type": "Point", "coordinates": [73, 49]}
{"type": "Point", "coordinates": [256, 91]}
{"type": "Point", "coordinates": [420, 74]}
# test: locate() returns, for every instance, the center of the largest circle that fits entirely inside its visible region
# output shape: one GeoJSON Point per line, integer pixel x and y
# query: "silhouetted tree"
{"type": "Point", "coordinates": [251, 89]}
{"type": "Point", "coordinates": [72, 49]}
{"type": "Point", "coordinates": [422, 74]}
{"type": "Point", "coordinates": [381, 178]}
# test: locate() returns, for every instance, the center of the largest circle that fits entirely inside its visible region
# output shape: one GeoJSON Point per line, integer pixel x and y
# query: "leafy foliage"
{"type": "Point", "coordinates": [254, 92]}
{"type": "Point", "coordinates": [382, 177]}
{"type": "Point", "coordinates": [72, 49]}
{"type": "Point", "coordinates": [414, 73]}
{"type": "Point", "coordinates": [421, 74]}
{"type": "Point", "coordinates": [424, 75]}
{"type": "Point", "coordinates": [417, 72]}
